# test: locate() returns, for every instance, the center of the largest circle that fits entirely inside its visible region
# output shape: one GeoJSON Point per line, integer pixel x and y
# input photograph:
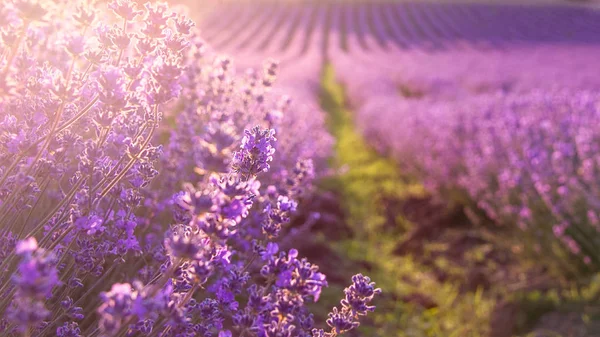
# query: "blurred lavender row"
{"type": "Point", "coordinates": [503, 125]}
{"type": "Point", "coordinates": [270, 26]}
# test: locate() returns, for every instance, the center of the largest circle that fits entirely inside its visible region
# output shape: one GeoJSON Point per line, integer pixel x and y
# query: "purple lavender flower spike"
{"type": "Point", "coordinates": [116, 307]}
{"type": "Point", "coordinates": [256, 152]}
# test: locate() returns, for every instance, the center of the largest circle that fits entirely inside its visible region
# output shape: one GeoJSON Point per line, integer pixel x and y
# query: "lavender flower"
{"type": "Point", "coordinates": [358, 296]}
{"type": "Point", "coordinates": [116, 307]}
{"type": "Point", "coordinates": [37, 273]}
{"type": "Point", "coordinates": [255, 152]}
{"type": "Point", "coordinates": [36, 277]}
{"type": "Point", "coordinates": [68, 330]}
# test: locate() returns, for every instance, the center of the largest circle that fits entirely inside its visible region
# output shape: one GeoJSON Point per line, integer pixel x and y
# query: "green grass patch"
{"type": "Point", "coordinates": [414, 303]}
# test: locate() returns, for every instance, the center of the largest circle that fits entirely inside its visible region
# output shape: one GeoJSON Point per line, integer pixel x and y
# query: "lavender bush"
{"type": "Point", "coordinates": [528, 160]}
{"type": "Point", "coordinates": [500, 118]}
{"type": "Point", "coordinates": [144, 185]}
{"type": "Point", "coordinates": [509, 140]}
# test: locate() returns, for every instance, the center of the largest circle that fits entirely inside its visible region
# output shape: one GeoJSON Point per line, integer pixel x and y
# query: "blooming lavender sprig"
{"type": "Point", "coordinates": [355, 304]}
{"type": "Point", "coordinates": [35, 278]}
{"type": "Point", "coordinates": [116, 308]}
{"type": "Point", "coordinates": [255, 152]}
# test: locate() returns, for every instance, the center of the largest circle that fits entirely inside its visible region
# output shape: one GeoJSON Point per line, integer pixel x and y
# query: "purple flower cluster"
{"type": "Point", "coordinates": [33, 282]}
{"type": "Point", "coordinates": [355, 304]}
{"type": "Point", "coordinates": [255, 152]}
{"type": "Point", "coordinates": [142, 189]}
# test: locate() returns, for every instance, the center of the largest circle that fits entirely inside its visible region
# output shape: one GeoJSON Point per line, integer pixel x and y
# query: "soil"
{"type": "Point", "coordinates": [437, 224]}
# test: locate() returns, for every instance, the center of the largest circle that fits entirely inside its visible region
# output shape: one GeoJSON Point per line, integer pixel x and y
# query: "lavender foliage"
{"type": "Point", "coordinates": [142, 189]}
{"type": "Point", "coordinates": [506, 133]}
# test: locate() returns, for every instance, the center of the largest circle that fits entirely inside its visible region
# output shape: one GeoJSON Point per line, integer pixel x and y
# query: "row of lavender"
{"type": "Point", "coordinates": [277, 26]}
{"type": "Point", "coordinates": [512, 132]}
{"type": "Point", "coordinates": [145, 186]}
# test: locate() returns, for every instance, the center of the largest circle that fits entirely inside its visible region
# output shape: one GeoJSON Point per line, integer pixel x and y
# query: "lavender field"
{"type": "Point", "coordinates": [297, 168]}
